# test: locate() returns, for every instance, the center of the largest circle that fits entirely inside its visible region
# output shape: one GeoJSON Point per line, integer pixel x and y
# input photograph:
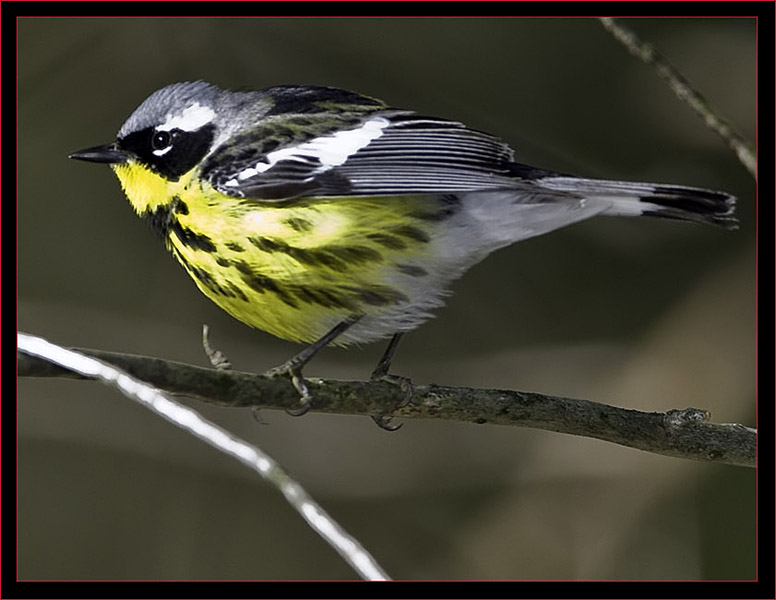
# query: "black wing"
{"type": "Point", "coordinates": [382, 154]}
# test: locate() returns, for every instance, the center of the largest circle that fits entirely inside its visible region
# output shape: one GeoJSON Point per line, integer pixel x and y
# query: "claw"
{"type": "Point", "coordinates": [305, 398]}
{"type": "Point", "coordinates": [405, 384]}
{"type": "Point", "coordinates": [386, 423]}
{"type": "Point", "coordinates": [294, 372]}
{"type": "Point", "coordinates": [302, 410]}
{"type": "Point", "coordinates": [256, 414]}
{"type": "Point", "coordinates": [293, 368]}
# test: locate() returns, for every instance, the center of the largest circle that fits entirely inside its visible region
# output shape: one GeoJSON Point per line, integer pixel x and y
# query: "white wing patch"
{"type": "Point", "coordinates": [328, 151]}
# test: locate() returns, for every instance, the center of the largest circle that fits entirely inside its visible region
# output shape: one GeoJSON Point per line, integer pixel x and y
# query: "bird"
{"type": "Point", "coordinates": [325, 216]}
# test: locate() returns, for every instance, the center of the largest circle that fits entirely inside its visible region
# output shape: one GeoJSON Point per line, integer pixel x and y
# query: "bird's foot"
{"type": "Point", "coordinates": [403, 383]}
{"type": "Point", "coordinates": [293, 371]}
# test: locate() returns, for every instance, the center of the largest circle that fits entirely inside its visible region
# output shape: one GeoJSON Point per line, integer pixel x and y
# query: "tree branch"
{"type": "Point", "coordinates": [684, 91]}
{"type": "Point", "coordinates": [191, 421]}
{"type": "Point", "coordinates": [678, 433]}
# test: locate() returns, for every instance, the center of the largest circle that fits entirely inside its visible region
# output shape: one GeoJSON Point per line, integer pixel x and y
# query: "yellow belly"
{"type": "Point", "coordinates": [296, 268]}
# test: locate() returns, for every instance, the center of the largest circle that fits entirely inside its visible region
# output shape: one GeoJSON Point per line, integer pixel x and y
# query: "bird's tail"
{"type": "Point", "coordinates": [651, 199]}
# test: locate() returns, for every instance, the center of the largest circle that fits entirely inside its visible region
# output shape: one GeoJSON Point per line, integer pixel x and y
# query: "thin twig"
{"type": "Point", "coordinates": [684, 91]}
{"type": "Point", "coordinates": [682, 433]}
{"type": "Point", "coordinates": [190, 420]}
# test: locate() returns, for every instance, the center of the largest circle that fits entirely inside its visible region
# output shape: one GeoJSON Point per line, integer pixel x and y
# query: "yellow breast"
{"type": "Point", "coordinates": [293, 269]}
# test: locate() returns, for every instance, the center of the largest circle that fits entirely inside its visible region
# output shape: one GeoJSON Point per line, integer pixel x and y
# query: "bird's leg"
{"type": "Point", "coordinates": [217, 359]}
{"type": "Point", "coordinates": [220, 362]}
{"type": "Point", "coordinates": [384, 364]}
{"type": "Point", "coordinates": [292, 368]}
{"type": "Point", "coordinates": [380, 373]}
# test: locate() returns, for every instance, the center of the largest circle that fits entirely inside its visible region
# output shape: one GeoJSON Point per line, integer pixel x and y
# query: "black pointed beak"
{"type": "Point", "coordinates": [109, 153]}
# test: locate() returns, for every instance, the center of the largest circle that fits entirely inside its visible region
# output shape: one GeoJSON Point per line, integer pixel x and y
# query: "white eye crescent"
{"type": "Point", "coordinates": [161, 143]}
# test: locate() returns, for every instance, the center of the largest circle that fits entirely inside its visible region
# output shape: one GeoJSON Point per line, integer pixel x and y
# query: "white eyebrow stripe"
{"type": "Point", "coordinates": [191, 119]}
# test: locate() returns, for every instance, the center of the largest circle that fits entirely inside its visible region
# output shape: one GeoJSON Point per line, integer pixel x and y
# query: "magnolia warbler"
{"type": "Point", "coordinates": [324, 216]}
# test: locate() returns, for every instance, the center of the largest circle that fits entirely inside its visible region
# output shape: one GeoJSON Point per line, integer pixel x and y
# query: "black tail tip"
{"type": "Point", "coordinates": [693, 204]}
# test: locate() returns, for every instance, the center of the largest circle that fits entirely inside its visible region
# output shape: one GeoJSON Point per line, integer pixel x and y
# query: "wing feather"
{"type": "Point", "coordinates": [387, 153]}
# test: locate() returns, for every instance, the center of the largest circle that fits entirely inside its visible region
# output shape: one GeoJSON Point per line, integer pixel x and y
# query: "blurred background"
{"type": "Point", "coordinates": [644, 314]}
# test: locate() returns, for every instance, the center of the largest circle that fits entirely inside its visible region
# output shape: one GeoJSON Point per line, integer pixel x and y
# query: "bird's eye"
{"type": "Point", "coordinates": [160, 140]}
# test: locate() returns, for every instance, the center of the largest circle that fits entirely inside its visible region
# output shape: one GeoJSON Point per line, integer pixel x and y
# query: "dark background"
{"type": "Point", "coordinates": [639, 313]}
